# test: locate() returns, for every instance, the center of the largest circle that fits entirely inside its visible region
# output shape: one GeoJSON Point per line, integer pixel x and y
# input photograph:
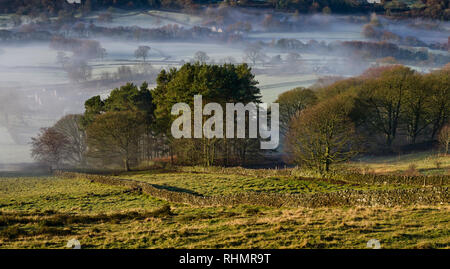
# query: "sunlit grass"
{"type": "Point", "coordinates": [253, 227]}
{"type": "Point", "coordinates": [46, 212]}
{"type": "Point", "coordinates": [426, 163]}
{"type": "Point", "coordinates": [68, 195]}
{"type": "Point", "coordinates": [219, 184]}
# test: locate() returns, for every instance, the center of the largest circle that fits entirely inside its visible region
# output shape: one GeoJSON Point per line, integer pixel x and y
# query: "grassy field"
{"type": "Point", "coordinates": [241, 227]}
{"type": "Point", "coordinates": [425, 163]}
{"type": "Point", "coordinates": [219, 184]}
{"type": "Point", "coordinates": [46, 212]}
{"type": "Point", "coordinates": [216, 183]}
{"type": "Point", "coordinates": [40, 194]}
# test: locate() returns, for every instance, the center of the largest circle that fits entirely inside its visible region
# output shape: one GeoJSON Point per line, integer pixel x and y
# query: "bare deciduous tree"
{"type": "Point", "coordinates": [49, 147]}
{"type": "Point", "coordinates": [70, 127]}
{"type": "Point", "coordinates": [78, 70]}
{"type": "Point", "coordinates": [201, 56]}
{"type": "Point", "coordinates": [323, 135]}
{"type": "Point", "coordinates": [293, 58]}
{"type": "Point", "coordinates": [142, 52]}
{"type": "Point", "coordinates": [254, 53]}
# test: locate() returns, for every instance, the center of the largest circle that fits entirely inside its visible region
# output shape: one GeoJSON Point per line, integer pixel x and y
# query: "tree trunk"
{"type": "Point", "coordinates": [327, 159]}
{"type": "Point", "coordinates": [127, 164]}
{"type": "Point", "coordinates": [437, 123]}
{"type": "Point", "coordinates": [389, 141]}
{"type": "Point", "coordinates": [327, 165]}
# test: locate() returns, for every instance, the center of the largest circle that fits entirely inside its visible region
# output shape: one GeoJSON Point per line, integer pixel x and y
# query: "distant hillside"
{"type": "Point", "coordinates": [435, 9]}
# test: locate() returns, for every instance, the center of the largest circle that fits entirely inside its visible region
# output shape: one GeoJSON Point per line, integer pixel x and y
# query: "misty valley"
{"type": "Point", "coordinates": [50, 65]}
{"type": "Point", "coordinates": [225, 132]}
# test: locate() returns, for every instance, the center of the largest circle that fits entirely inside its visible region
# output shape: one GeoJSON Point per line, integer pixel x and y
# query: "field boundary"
{"type": "Point", "coordinates": [388, 198]}
{"type": "Point", "coordinates": [347, 177]}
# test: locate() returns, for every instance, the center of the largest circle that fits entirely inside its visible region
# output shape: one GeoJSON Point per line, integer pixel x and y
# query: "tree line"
{"type": "Point", "coordinates": [379, 112]}
{"type": "Point", "coordinates": [386, 109]}
{"type": "Point", "coordinates": [435, 9]}
{"type": "Point", "coordinates": [131, 127]}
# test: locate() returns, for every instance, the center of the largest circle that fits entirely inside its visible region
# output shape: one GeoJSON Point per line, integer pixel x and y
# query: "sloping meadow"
{"type": "Point", "coordinates": [429, 195]}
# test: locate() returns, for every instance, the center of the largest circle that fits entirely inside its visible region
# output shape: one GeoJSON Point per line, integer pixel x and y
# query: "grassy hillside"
{"type": "Point", "coordinates": [220, 184]}
{"type": "Point", "coordinates": [424, 163]}
{"type": "Point", "coordinates": [46, 212]}
{"type": "Point", "coordinates": [41, 194]}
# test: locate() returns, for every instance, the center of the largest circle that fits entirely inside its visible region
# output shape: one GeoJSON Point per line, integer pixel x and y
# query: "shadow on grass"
{"type": "Point", "coordinates": [176, 189]}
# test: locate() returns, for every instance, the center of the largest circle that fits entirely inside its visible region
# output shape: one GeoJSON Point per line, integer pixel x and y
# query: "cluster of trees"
{"type": "Point", "coordinates": [381, 111]}
{"type": "Point", "coordinates": [110, 131]}
{"type": "Point", "coordinates": [140, 71]}
{"type": "Point", "coordinates": [119, 128]}
{"type": "Point", "coordinates": [396, 101]}
{"type": "Point", "coordinates": [231, 20]}
{"type": "Point", "coordinates": [375, 30]}
{"type": "Point", "coordinates": [254, 54]}
{"type": "Point", "coordinates": [62, 37]}
{"type": "Point", "coordinates": [169, 31]}
{"type": "Point", "coordinates": [222, 84]}
{"type": "Point", "coordinates": [68, 33]}
{"type": "Point", "coordinates": [78, 69]}
{"type": "Point", "coordinates": [365, 49]}
{"type": "Point", "coordinates": [13, 36]}
{"type": "Point", "coordinates": [322, 135]}
{"type": "Point", "coordinates": [81, 48]}
{"type": "Point", "coordinates": [310, 6]}
{"type": "Point", "coordinates": [35, 7]}
{"type": "Point", "coordinates": [133, 125]}
{"type": "Point", "coordinates": [380, 34]}
{"type": "Point", "coordinates": [435, 9]}
{"type": "Point", "coordinates": [384, 49]}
